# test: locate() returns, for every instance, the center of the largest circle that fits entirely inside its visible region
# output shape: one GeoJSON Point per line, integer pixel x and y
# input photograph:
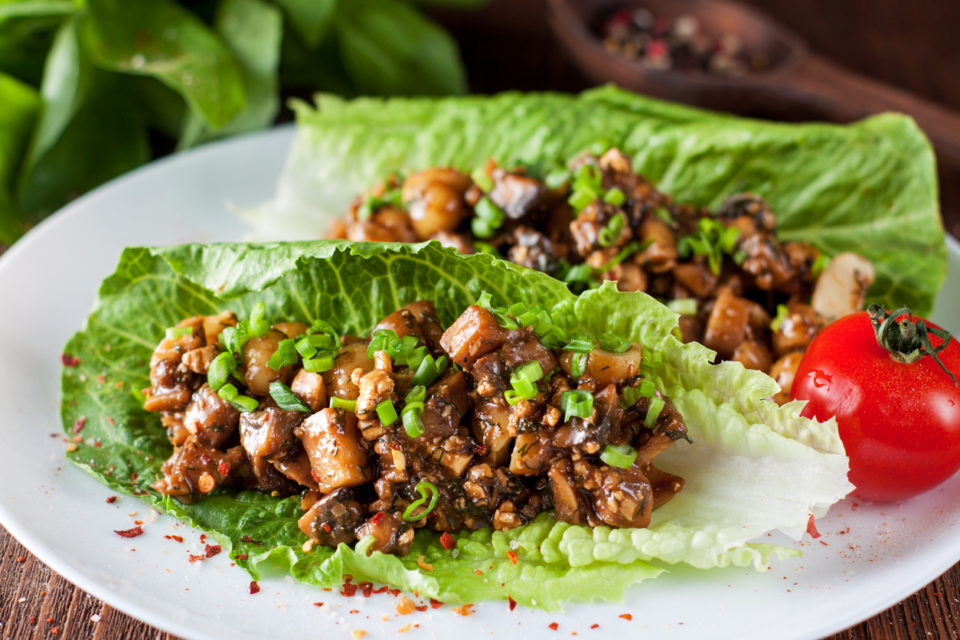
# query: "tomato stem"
{"type": "Point", "coordinates": [907, 340]}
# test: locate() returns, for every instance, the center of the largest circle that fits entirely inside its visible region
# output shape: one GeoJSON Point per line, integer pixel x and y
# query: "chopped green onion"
{"type": "Point", "coordinates": [487, 218]}
{"type": "Point", "coordinates": [340, 403]}
{"type": "Point", "coordinates": [524, 378]}
{"type": "Point", "coordinates": [683, 306]}
{"type": "Point", "coordinates": [556, 178]}
{"type": "Point", "coordinates": [578, 365]}
{"type": "Point", "coordinates": [656, 406]}
{"type": "Point", "coordinates": [580, 343]}
{"type": "Point", "coordinates": [819, 264]}
{"type": "Point", "coordinates": [713, 241]}
{"type": "Point", "coordinates": [259, 325]}
{"type": "Point", "coordinates": [503, 319]}
{"type": "Point", "coordinates": [615, 196]}
{"type": "Point", "coordinates": [739, 257]}
{"type": "Point", "coordinates": [233, 338]}
{"type": "Point", "coordinates": [229, 393]}
{"type": "Point", "coordinates": [621, 456]}
{"type": "Point", "coordinates": [417, 393]}
{"type": "Point", "coordinates": [428, 495]}
{"type": "Point", "coordinates": [609, 235]}
{"type": "Point", "coordinates": [664, 215]}
{"type": "Point", "coordinates": [589, 177]}
{"type": "Point", "coordinates": [380, 341]}
{"type": "Point", "coordinates": [285, 355]}
{"type": "Point", "coordinates": [613, 343]}
{"type": "Point", "coordinates": [633, 394]}
{"type": "Point", "coordinates": [220, 369]}
{"type": "Point", "coordinates": [782, 314]}
{"type": "Point", "coordinates": [372, 203]}
{"type": "Point", "coordinates": [512, 397]}
{"type": "Point", "coordinates": [387, 413]}
{"type": "Point", "coordinates": [485, 247]}
{"type": "Point", "coordinates": [175, 333]}
{"type": "Point", "coordinates": [728, 239]}
{"type": "Point", "coordinates": [429, 370]}
{"type": "Point", "coordinates": [481, 179]}
{"type": "Point", "coordinates": [319, 364]}
{"type": "Point", "coordinates": [623, 254]}
{"type": "Point", "coordinates": [286, 399]}
{"type": "Point", "coordinates": [581, 198]}
{"type": "Point", "coordinates": [581, 274]}
{"type": "Point", "coordinates": [578, 403]}
{"type": "Point", "coordinates": [412, 423]}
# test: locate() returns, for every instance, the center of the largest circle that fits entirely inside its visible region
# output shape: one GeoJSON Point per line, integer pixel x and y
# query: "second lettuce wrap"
{"type": "Point", "coordinates": [752, 466]}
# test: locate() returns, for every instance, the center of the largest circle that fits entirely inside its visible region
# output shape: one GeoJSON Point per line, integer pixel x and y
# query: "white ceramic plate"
{"type": "Point", "coordinates": [868, 558]}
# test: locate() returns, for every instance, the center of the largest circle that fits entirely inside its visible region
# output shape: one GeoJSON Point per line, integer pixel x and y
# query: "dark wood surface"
{"type": "Point", "coordinates": [911, 45]}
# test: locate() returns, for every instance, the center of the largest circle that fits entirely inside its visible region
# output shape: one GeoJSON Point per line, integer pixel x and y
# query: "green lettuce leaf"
{"type": "Point", "coordinates": [743, 469]}
{"type": "Point", "coordinates": [20, 106]}
{"type": "Point", "coordinates": [868, 187]}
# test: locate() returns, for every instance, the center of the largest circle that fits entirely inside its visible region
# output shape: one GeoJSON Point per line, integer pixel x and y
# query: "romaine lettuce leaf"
{"type": "Point", "coordinates": [868, 187]}
{"type": "Point", "coordinates": [743, 478]}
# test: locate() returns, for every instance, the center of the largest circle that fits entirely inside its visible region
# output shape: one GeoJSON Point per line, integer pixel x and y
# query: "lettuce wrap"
{"type": "Point", "coordinates": [752, 466]}
{"type": "Point", "coordinates": [869, 187]}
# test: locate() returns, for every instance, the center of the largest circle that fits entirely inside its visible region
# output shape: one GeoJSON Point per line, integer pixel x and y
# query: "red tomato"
{"type": "Point", "coordinates": [899, 422]}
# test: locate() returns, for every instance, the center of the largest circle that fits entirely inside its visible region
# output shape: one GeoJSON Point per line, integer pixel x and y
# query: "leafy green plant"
{"type": "Point", "coordinates": [90, 89]}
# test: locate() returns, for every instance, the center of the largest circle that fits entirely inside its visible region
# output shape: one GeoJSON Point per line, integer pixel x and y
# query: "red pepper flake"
{"type": "Point", "coordinates": [447, 541]}
{"type": "Point", "coordinates": [130, 533]}
{"type": "Point", "coordinates": [435, 604]}
{"type": "Point", "coordinates": [55, 630]}
{"type": "Point", "coordinates": [175, 538]}
{"type": "Point", "coordinates": [21, 559]}
{"type": "Point", "coordinates": [513, 556]}
{"type": "Point", "coordinates": [553, 625]}
{"type": "Point", "coordinates": [349, 589]}
{"type": "Point", "coordinates": [626, 616]}
{"type": "Point", "coordinates": [242, 556]}
{"type": "Point", "coordinates": [316, 477]}
{"type": "Point", "coordinates": [326, 527]}
{"type": "Point", "coordinates": [138, 522]}
{"type": "Point", "coordinates": [812, 528]}
{"type": "Point", "coordinates": [223, 468]}
{"type": "Point", "coordinates": [366, 588]}
{"type": "Point", "coordinates": [824, 543]}
{"type": "Point", "coordinates": [79, 424]}
{"type": "Point", "coordinates": [32, 620]}
{"type": "Point", "coordinates": [481, 450]}
{"type": "Point", "coordinates": [377, 518]}
{"type": "Point", "coordinates": [111, 499]}
{"type": "Point", "coordinates": [421, 607]}
{"type": "Point", "coordinates": [101, 378]}
{"type": "Point", "coordinates": [194, 558]}
{"type": "Point", "coordinates": [478, 572]}
{"type": "Point", "coordinates": [110, 421]}
{"type": "Point", "coordinates": [512, 603]}
{"type": "Point", "coordinates": [69, 361]}
{"type": "Point", "coordinates": [205, 459]}
{"type": "Point", "coordinates": [382, 589]}
{"type": "Point", "coordinates": [595, 626]}
{"type": "Point", "coordinates": [354, 611]}
{"type": "Point", "coordinates": [254, 587]}
{"type": "Point", "coordinates": [318, 604]}
{"type": "Point", "coordinates": [212, 549]}
{"type": "Point", "coordinates": [133, 477]}
{"type": "Point", "coordinates": [50, 619]}
{"type": "Point", "coordinates": [465, 610]}
{"type": "Point", "coordinates": [394, 592]}
{"type": "Point", "coordinates": [97, 444]}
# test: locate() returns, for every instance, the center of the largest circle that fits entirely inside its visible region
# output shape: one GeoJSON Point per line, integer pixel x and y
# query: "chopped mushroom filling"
{"type": "Point", "coordinates": [499, 417]}
{"type": "Point", "coordinates": [739, 290]}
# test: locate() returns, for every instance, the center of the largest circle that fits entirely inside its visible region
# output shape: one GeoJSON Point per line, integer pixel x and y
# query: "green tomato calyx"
{"type": "Point", "coordinates": [905, 339]}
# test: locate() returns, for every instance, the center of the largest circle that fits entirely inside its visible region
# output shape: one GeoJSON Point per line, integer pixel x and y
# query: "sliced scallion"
{"type": "Point", "coordinates": [412, 423]}
{"type": "Point", "coordinates": [340, 403]}
{"type": "Point", "coordinates": [286, 399]}
{"type": "Point", "coordinates": [683, 306]}
{"type": "Point", "coordinates": [259, 325]}
{"type": "Point", "coordinates": [175, 333]}
{"type": "Point", "coordinates": [577, 403]}
{"type": "Point", "coordinates": [656, 406]}
{"type": "Point", "coordinates": [220, 369]}
{"type": "Point", "coordinates": [387, 413]}
{"type": "Point", "coordinates": [285, 355]}
{"type": "Point", "coordinates": [428, 496]}
{"type": "Point", "coordinates": [782, 314]}
{"type": "Point", "coordinates": [319, 364]}
{"type": "Point", "coordinates": [615, 196]}
{"type": "Point", "coordinates": [245, 404]}
{"type": "Point", "coordinates": [621, 456]}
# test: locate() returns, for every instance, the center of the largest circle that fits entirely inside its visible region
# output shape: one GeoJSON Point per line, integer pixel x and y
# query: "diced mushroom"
{"type": "Point", "coordinates": [491, 427]}
{"type": "Point", "coordinates": [390, 533]}
{"type": "Point", "coordinates": [524, 346]}
{"type": "Point", "coordinates": [475, 333]}
{"type": "Point", "coordinates": [417, 319]}
{"type": "Point", "coordinates": [661, 253]}
{"type": "Point", "coordinates": [528, 457]}
{"type": "Point", "coordinates": [210, 418]}
{"type": "Point", "coordinates": [198, 360]}
{"type": "Point", "coordinates": [697, 278]}
{"type": "Point", "coordinates": [269, 432]}
{"type": "Point", "coordinates": [752, 355]}
{"type": "Point", "coordinates": [195, 469]}
{"type": "Point", "coordinates": [375, 387]}
{"type": "Point", "coordinates": [417, 183]}
{"type": "Point", "coordinates": [783, 371]}
{"type": "Point", "coordinates": [296, 467]}
{"type": "Point", "coordinates": [446, 404]}
{"type": "Point", "coordinates": [606, 367]}
{"type": "Point", "coordinates": [727, 324]}
{"type": "Point", "coordinates": [333, 519]}
{"type": "Point", "coordinates": [310, 388]}
{"type": "Point", "coordinates": [332, 441]}
{"type": "Point", "coordinates": [439, 208]}
{"type": "Point", "coordinates": [796, 330]}
{"type": "Point", "coordinates": [516, 194]}
{"type": "Point", "coordinates": [257, 374]}
{"type": "Point", "coordinates": [565, 497]}
{"type": "Point", "coordinates": [338, 380]}
{"type": "Point", "coordinates": [625, 497]}
{"type": "Point", "coordinates": [842, 287]}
